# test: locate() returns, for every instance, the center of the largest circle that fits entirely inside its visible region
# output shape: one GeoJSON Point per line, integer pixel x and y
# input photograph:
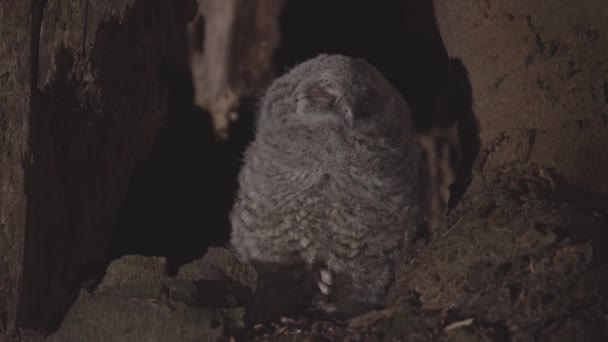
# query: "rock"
{"type": "Point", "coordinates": [111, 317]}
{"type": "Point", "coordinates": [138, 301]}
{"type": "Point", "coordinates": [219, 263]}
{"type": "Point", "coordinates": [134, 275]}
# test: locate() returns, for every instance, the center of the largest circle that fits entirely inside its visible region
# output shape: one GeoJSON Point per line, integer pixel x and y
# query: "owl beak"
{"type": "Point", "coordinates": [347, 111]}
{"type": "Point", "coordinates": [349, 116]}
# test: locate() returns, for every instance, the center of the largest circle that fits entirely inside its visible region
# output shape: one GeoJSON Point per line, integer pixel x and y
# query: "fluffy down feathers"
{"type": "Point", "coordinates": [330, 180]}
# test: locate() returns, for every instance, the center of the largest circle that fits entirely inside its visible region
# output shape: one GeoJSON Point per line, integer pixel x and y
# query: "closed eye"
{"type": "Point", "coordinates": [318, 97]}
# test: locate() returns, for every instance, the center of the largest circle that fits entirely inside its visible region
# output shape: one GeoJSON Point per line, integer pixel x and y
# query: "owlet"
{"type": "Point", "coordinates": [329, 183]}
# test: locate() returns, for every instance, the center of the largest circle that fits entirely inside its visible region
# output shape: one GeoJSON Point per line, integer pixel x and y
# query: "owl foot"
{"type": "Point", "coordinates": [325, 282]}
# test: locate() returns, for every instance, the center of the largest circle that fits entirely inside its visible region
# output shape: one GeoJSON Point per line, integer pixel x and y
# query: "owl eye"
{"type": "Point", "coordinates": [319, 97]}
{"type": "Point", "coordinates": [346, 109]}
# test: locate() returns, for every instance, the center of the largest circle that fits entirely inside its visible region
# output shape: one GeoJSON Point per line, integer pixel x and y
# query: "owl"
{"type": "Point", "coordinates": [328, 186]}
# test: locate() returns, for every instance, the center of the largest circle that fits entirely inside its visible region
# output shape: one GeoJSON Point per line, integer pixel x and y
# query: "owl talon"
{"type": "Point", "coordinates": [324, 288]}
{"type": "Point", "coordinates": [326, 277]}
{"type": "Point", "coordinates": [325, 282]}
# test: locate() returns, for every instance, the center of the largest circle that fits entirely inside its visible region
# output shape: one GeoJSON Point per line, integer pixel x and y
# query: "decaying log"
{"type": "Point", "coordinates": [231, 48]}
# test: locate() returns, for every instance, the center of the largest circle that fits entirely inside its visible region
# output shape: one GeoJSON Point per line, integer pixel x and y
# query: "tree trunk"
{"type": "Point", "coordinates": [15, 102]}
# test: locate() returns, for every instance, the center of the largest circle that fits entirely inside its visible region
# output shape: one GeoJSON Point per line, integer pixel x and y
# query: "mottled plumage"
{"type": "Point", "coordinates": [329, 181]}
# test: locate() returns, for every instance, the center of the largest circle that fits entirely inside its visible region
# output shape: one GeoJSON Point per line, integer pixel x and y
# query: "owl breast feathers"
{"type": "Point", "coordinates": [329, 180]}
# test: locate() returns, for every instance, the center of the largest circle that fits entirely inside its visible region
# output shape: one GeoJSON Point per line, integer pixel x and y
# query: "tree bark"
{"type": "Point", "coordinates": [232, 43]}
{"type": "Point", "coordinates": [85, 95]}
{"type": "Point", "coordinates": [15, 96]}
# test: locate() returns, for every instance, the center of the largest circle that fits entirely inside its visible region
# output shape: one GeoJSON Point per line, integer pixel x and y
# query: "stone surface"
{"type": "Point", "coordinates": [218, 264]}
{"type": "Point", "coordinates": [137, 301]}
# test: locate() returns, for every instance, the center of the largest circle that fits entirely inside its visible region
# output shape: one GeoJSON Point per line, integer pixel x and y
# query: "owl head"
{"type": "Point", "coordinates": [334, 90]}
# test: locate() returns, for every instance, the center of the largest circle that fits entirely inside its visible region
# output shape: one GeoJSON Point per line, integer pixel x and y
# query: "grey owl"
{"type": "Point", "coordinates": [330, 181]}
